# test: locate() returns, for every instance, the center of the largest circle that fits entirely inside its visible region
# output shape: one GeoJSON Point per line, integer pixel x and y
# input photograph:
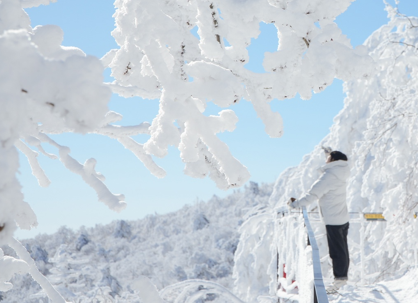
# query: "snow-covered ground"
{"type": "Point", "coordinates": [400, 289]}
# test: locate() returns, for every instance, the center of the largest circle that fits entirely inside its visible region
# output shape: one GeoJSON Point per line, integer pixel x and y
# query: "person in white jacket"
{"type": "Point", "coordinates": [330, 191]}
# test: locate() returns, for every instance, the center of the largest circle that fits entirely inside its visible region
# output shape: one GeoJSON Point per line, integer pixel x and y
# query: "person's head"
{"type": "Point", "coordinates": [335, 156]}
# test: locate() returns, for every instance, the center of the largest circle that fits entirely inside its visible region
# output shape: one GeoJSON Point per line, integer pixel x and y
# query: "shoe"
{"type": "Point", "coordinates": [336, 285]}
{"type": "Point", "coordinates": [331, 289]}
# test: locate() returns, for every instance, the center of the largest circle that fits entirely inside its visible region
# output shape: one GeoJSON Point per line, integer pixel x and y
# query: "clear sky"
{"type": "Point", "coordinates": [69, 201]}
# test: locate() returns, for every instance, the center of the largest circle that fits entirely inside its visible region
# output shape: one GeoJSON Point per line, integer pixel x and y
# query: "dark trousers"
{"type": "Point", "coordinates": [338, 249]}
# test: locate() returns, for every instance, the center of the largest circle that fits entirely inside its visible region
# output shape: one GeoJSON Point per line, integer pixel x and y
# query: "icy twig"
{"type": "Point", "coordinates": [138, 150]}
{"type": "Point", "coordinates": [90, 176]}
{"type": "Point", "coordinates": [130, 91]}
{"type": "Point", "coordinates": [31, 140]}
{"type": "Point", "coordinates": [404, 43]}
{"type": "Point", "coordinates": [37, 170]}
{"type": "Point", "coordinates": [123, 135]}
{"type": "Point", "coordinates": [407, 17]}
{"type": "Point", "coordinates": [115, 131]}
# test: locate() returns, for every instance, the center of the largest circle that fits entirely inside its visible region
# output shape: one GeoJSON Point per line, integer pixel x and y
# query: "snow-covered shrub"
{"type": "Point", "coordinates": [201, 271]}
{"type": "Point", "coordinates": [82, 240]}
{"type": "Point", "coordinates": [254, 188]}
{"type": "Point", "coordinates": [122, 230]}
{"type": "Point", "coordinates": [224, 270]}
{"type": "Point", "coordinates": [110, 281]}
{"type": "Point", "coordinates": [41, 258]}
{"type": "Point", "coordinates": [200, 221]}
{"type": "Point", "coordinates": [227, 241]}
{"type": "Point", "coordinates": [199, 257]}
{"type": "Point", "coordinates": [180, 274]}
{"type": "Point", "coordinates": [101, 252]}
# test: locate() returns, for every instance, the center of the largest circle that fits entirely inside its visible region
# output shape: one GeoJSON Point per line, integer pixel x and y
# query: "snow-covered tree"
{"type": "Point", "coordinates": [377, 130]}
{"type": "Point", "coordinates": [47, 88]}
{"type": "Point", "coordinates": [385, 176]}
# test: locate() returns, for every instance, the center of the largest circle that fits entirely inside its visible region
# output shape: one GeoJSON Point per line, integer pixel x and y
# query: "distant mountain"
{"type": "Point", "coordinates": [195, 242]}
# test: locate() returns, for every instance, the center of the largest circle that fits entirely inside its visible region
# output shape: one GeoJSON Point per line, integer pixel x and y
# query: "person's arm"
{"type": "Point", "coordinates": [305, 200]}
{"type": "Point", "coordinates": [324, 184]}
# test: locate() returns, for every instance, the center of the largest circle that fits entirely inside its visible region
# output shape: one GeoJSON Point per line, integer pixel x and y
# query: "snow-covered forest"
{"type": "Point", "coordinates": [231, 243]}
{"type": "Point", "coordinates": [196, 242]}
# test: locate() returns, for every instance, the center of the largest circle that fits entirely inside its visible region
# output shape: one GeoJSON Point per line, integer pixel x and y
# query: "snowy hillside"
{"type": "Point", "coordinates": [196, 242]}
{"type": "Point", "coordinates": [378, 130]}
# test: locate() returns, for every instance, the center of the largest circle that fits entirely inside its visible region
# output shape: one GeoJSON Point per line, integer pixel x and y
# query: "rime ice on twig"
{"type": "Point", "coordinates": [37, 171]}
{"type": "Point", "coordinates": [88, 173]}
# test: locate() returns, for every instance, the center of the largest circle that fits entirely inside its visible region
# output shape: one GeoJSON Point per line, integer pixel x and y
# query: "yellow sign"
{"type": "Point", "coordinates": [379, 216]}
{"type": "Point", "coordinates": [374, 216]}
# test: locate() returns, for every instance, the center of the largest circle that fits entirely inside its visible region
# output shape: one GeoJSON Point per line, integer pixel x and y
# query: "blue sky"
{"type": "Point", "coordinates": [69, 201]}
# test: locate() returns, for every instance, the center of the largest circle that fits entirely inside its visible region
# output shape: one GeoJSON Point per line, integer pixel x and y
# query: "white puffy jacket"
{"type": "Point", "coordinates": [330, 190]}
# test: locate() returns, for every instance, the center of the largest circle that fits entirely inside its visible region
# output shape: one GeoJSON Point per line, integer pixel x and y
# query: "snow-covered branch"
{"type": "Point", "coordinates": [189, 72]}
{"type": "Point", "coordinates": [90, 176]}
{"type": "Point", "coordinates": [37, 171]}
{"type": "Point", "coordinates": [34, 272]}
{"type": "Point", "coordinates": [123, 135]}
{"type": "Point", "coordinates": [45, 88]}
{"type": "Point", "coordinates": [10, 266]}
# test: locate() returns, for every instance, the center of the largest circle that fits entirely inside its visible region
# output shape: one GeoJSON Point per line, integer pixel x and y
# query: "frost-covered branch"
{"type": "Point", "coordinates": [10, 266]}
{"type": "Point", "coordinates": [37, 171]}
{"type": "Point", "coordinates": [154, 61]}
{"type": "Point", "coordinates": [88, 173]}
{"type": "Point", "coordinates": [46, 88]}
{"type": "Point", "coordinates": [123, 135]}
{"type": "Point", "coordinates": [34, 272]}
{"type": "Point", "coordinates": [406, 44]}
{"type": "Point", "coordinates": [34, 3]}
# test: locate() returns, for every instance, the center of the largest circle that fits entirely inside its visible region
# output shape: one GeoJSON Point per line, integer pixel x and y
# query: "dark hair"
{"type": "Point", "coordinates": [337, 155]}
